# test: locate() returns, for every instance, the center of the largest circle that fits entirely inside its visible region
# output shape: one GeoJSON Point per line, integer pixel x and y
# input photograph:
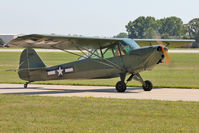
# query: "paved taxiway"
{"type": "Point", "coordinates": [102, 91]}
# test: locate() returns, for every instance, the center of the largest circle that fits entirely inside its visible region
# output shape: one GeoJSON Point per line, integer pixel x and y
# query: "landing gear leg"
{"type": "Point", "coordinates": [121, 85]}
{"type": "Point", "coordinates": [26, 84]}
{"type": "Point", "coordinates": [146, 85]}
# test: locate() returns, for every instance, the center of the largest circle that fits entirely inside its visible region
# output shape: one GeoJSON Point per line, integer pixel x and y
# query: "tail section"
{"type": "Point", "coordinates": [30, 65]}
{"type": "Point", "coordinates": [30, 59]}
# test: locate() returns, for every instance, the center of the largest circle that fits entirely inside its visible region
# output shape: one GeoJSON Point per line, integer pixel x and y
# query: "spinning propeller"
{"type": "Point", "coordinates": [165, 52]}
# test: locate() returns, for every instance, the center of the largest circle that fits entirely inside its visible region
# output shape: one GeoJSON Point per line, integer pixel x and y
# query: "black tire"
{"type": "Point", "coordinates": [25, 85]}
{"type": "Point", "coordinates": [148, 86]}
{"type": "Point", "coordinates": [120, 86]}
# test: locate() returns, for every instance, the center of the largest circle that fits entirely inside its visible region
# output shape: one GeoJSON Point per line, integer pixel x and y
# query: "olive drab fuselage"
{"type": "Point", "coordinates": [135, 61]}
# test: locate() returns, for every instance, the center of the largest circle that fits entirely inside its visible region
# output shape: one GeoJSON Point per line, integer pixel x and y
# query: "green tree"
{"type": "Point", "coordinates": [121, 35]}
{"type": "Point", "coordinates": [172, 26]}
{"type": "Point", "coordinates": [193, 29]}
{"type": "Point", "coordinates": [186, 33]}
{"type": "Point", "coordinates": [165, 36]}
{"type": "Point", "coordinates": [142, 27]}
{"type": "Point", "coordinates": [150, 33]}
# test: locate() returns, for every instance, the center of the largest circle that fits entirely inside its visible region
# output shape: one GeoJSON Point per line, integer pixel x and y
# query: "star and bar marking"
{"type": "Point", "coordinates": [60, 71]}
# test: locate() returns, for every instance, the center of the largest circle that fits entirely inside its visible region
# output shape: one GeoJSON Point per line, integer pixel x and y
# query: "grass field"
{"type": "Point", "coordinates": [39, 114]}
{"type": "Point", "coordinates": [19, 113]}
{"type": "Point", "coordinates": [183, 72]}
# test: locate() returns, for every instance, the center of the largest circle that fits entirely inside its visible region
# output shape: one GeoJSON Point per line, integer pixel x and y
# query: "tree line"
{"type": "Point", "coordinates": [165, 28]}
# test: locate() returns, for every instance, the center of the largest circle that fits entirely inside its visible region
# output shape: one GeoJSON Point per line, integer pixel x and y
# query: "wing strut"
{"type": "Point", "coordinates": [111, 63]}
{"type": "Point", "coordinates": [66, 51]}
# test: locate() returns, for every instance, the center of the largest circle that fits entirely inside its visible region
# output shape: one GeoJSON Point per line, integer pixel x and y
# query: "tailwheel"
{"type": "Point", "coordinates": [25, 85]}
{"type": "Point", "coordinates": [148, 85]}
{"type": "Point", "coordinates": [120, 86]}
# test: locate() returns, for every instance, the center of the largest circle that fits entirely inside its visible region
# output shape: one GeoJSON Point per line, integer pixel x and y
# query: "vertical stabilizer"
{"type": "Point", "coordinates": [29, 61]}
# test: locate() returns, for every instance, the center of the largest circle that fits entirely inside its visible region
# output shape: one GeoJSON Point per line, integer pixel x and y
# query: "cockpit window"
{"type": "Point", "coordinates": [124, 46]}
{"type": "Point", "coordinates": [130, 42]}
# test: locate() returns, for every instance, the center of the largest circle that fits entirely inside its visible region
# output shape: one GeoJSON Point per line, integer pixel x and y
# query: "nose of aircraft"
{"type": "Point", "coordinates": [164, 50]}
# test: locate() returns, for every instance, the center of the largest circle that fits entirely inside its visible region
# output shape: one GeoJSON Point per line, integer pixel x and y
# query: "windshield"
{"type": "Point", "coordinates": [131, 43]}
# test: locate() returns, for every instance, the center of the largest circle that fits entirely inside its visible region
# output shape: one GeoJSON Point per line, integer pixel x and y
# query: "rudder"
{"type": "Point", "coordinates": [29, 60]}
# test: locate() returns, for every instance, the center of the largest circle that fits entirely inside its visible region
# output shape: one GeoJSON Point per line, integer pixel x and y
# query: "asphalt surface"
{"type": "Point", "coordinates": [170, 94]}
{"type": "Point", "coordinates": [56, 50]}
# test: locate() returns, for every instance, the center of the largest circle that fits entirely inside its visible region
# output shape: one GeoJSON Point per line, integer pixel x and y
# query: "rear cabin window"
{"type": "Point", "coordinates": [108, 53]}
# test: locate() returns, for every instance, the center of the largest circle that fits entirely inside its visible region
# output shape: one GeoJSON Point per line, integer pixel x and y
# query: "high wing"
{"type": "Point", "coordinates": [173, 43]}
{"type": "Point", "coordinates": [70, 43]}
{"type": "Point", "coordinates": [62, 42]}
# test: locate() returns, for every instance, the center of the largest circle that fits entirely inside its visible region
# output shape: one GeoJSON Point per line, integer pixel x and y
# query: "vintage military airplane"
{"type": "Point", "coordinates": [102, 58]}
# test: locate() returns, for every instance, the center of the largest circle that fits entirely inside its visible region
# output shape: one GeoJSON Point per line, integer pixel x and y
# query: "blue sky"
{"type": "Point", "coordinates": [86, 17]}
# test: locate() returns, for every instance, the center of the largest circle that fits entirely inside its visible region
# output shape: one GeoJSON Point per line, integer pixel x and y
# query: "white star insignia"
{"type": "Point", "coordinates": [60, 71]}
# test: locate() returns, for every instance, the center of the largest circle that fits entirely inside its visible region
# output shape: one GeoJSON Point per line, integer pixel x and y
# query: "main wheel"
{"type": "Point", "coordinates": [120, 86]}
{"type": "Point", "coordinates": [148, 85]}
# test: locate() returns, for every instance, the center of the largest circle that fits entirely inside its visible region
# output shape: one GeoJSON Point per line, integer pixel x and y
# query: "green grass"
{"type": "Point", "coordinates": [183, 48]}
{"type": "Point", "coordinates": [183, 72]}
{"type": "Point", "coordinates": [20, 113]}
